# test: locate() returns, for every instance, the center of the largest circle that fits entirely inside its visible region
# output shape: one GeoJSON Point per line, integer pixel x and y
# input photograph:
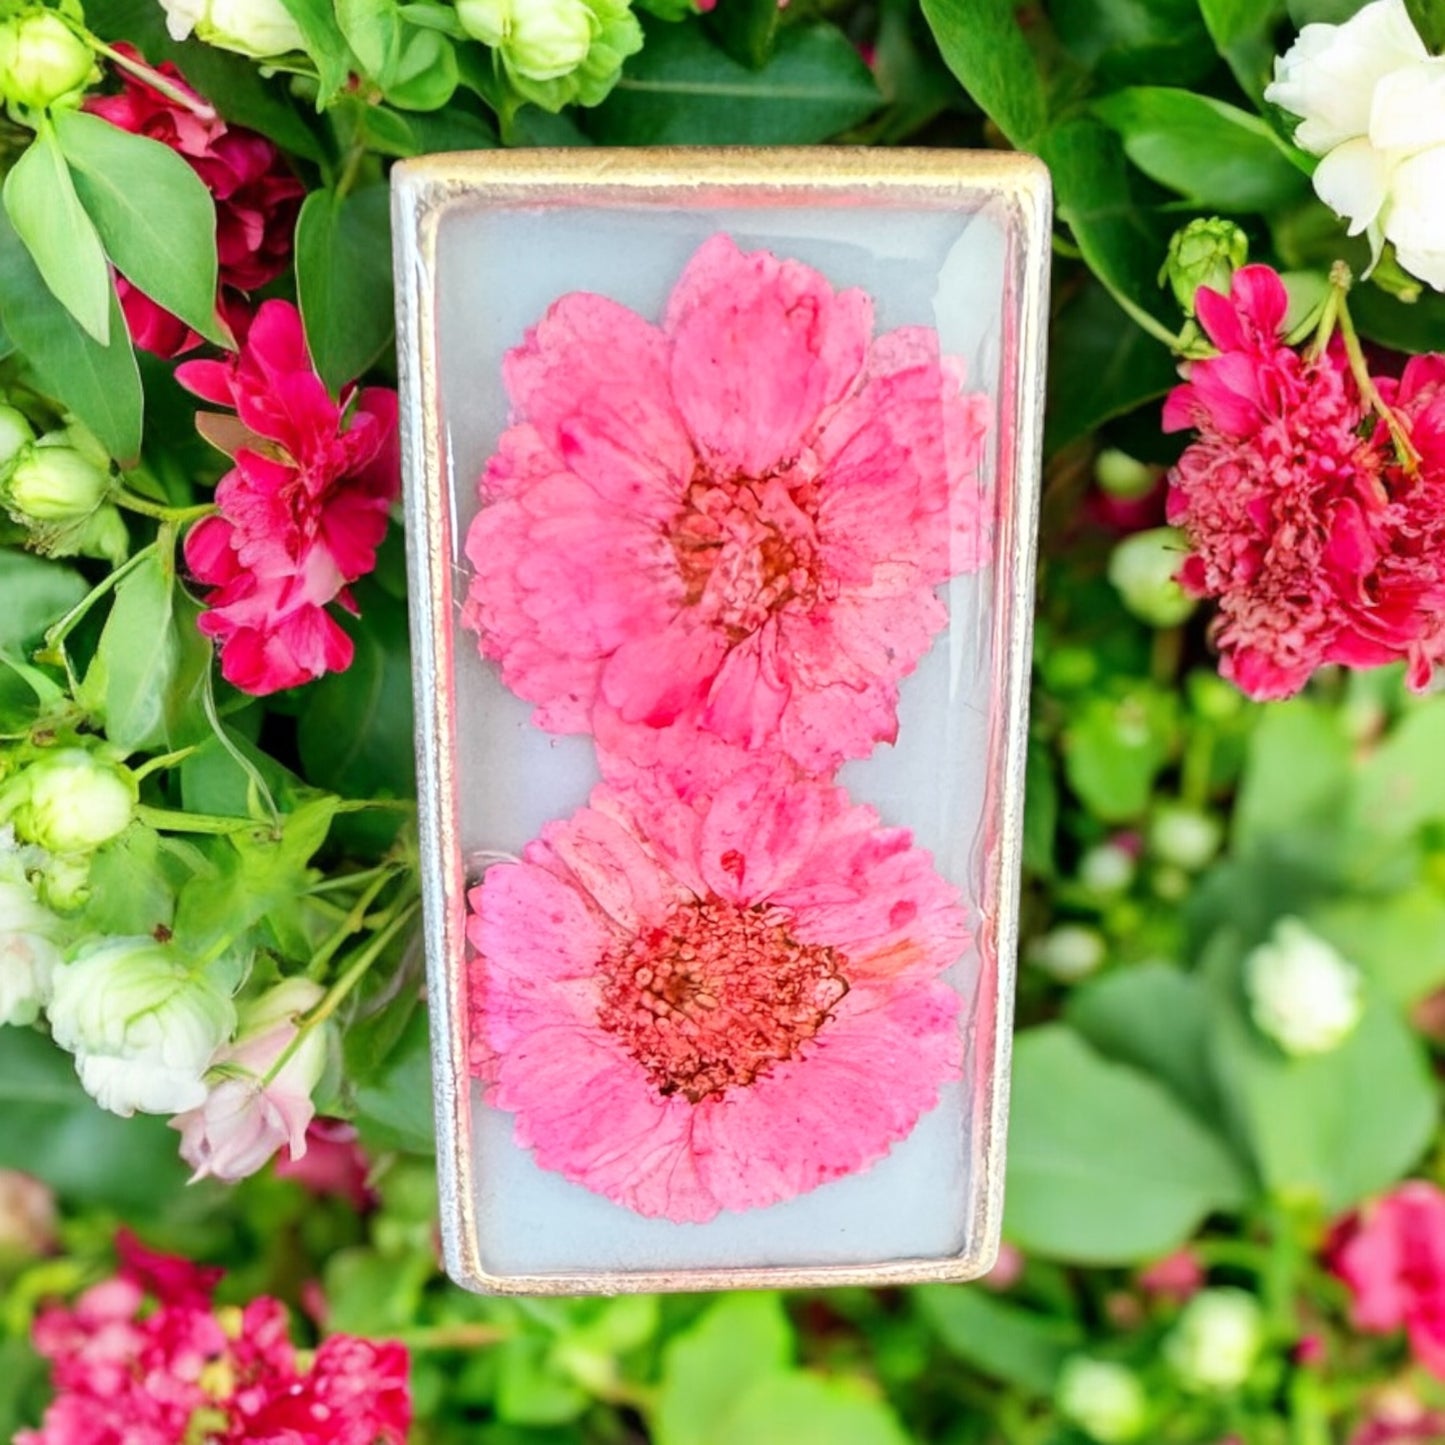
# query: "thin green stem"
{"type": "Point", "coordinates": [166, 760]}
{"type": "Point", "coordinates": [57, 632]}
{"type": "Point", "coordinates": [171, 820]}
{"type": "Point", "coordinates": [337, 994]}
{"type": "Point", "coordinates": [1360, 370]}
{"type": "Point", "coordinates": [352, 922]}
{"type": "Point", "coordinates": [152, 78]}
{"type": "Point", "coordinates": [177, 516]}
{"type": "Point", "coordinates": [257, 784]}
{"type": "Point", "coordinates": [452, 1337]}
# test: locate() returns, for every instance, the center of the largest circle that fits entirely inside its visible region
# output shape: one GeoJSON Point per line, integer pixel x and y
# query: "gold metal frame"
{"type": "Point", "coordinates": [423, 191]}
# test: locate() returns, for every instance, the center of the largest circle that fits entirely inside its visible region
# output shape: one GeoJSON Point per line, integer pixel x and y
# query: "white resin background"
{"type": "Point", "coordinates": [497, 272]}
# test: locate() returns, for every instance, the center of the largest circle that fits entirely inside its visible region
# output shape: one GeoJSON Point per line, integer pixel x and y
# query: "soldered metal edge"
{"type": "Point", "coordinates": [423, 190]}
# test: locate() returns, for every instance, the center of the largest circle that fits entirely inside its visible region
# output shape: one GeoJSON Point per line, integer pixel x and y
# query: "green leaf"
{"type": "Point", "coordinates": [154, 214]}
{"type": "Point", "coordinates": [707, 1369]}
{"type": "Point", "coordinates": [1114, 748]}
{"type": "Point", "coordinates": [393, 1105]}
{"type": "Point", "coordinates": [1122, 241]}
{"type": "Point", "coordinates": [532, 1389]}
{"type": "Point", "coordinates": [1041, 807]}
{"type": "Point", "coordinates": [806, 1409]}
{"type": "Point", "coordinates": [1006, 1341]}
{"type": "Point", "coordinates": [373, 30]}
{"type": "Point", "coordinates": [1405, 326]}
{"type": "Point", "coordinates": [1243, 32]}
{"type": "Point", "coordinates": [324, 43]}
{"type": "Point", "coordinates": [1154, 1018]}
{"type": "Point", "coordinates": [43, 207]}
{"type": "Point", "coordinates": [1131, 41]}
{"type": "Point", "coordinates": [1104, 1167]}
{"type": "Point", "coordinates": [1331, 1128]}
{"type": "Point", "coordinates": [1297, 773]}
{"type": "Point", "coordinates": [1401, 785]}
{"type": "Point", "coordinates": [985, 48]}
{"type": "Point", "coordinates": [746, 29]}
{"type": "Point", "coordinates": [1428, 17]}
{"type": "Point", "coordinates": [56, 1132]}
{"type": "Point", "coordinates": [1399, 941]}
{"type": "Point", "coordinates": [1213, 153]}
{"type": "Point", "coordinates": [1101, 365]}
{"type": "Point", "coordinates": [130, 888]}
{"type": "Point", "coordinates": [36, 593]}
{"type": "Point", "coordinates": [151, 664]}
{"type": "Point", "coordinates": [426, 74]}
{"type": "Point", "coordinates": [683, 90]}
{"type": "Point", "coordinates": [343, 279]}
{"type": "Point", "coordinates": [100, 384]}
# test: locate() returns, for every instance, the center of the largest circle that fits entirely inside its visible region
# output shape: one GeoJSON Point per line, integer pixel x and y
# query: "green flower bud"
{"type": "Point", "coordinates": [1216, 1341]}
{"type": "Point", "coordinates": [15, 436]}
{"type": "Point", "coordinates": [1184, 837]}
{"type": "Point", "coordinates": [71, 801]}
{"type": "Point", "coordinates": [1203, 253]}
{"type": "Point", "coordinates": [1106, 1401]}
{"type": "Point", "coordinates": [1212, 698]}
{"type": "Point", "coordinates": [41, 60]}
{"type": "Point", "coordinates": [56, 484]}
{"type": "Point", "coordinates": [1142, 570]}
{"type": "Point", "coordinates": [1118, 474]}
{"type": "Point", "coordinates": [556, 52]}
{"type": "Point", "coordinates": [1069, 952]}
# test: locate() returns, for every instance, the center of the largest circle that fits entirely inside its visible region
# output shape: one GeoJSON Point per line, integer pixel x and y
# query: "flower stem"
{"type": "Point", "coordinates": [172, 820]}
{"type": "Point", "coordinates": [166, 760]}
{"type": "Point", "coordinates": [152, 77]}
{"type": "Point", "coordinates": [1359, 369]}
{"type": "Point", "coordinates": [452, 1337]}
{"type": "Point", "coordinates": [59, 631]}
{"type": "Point", "coordinates": [175, 515]}
{"type": "Point", "coordinates": [351, 922]}
{"type": "Point", "coordinates": [336, 995]}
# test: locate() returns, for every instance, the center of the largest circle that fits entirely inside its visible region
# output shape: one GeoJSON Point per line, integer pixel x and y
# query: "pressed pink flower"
{"type": "Point", "coordinates": [736, 519]}
{"type": "Point", "coordinates": [301, 513]}
{"type": "Point", "coordinates": [1392, 1258]}
{"type": "Point", "coordinates": [144, 1359]}
{"type": "Point", "coordinates": [257, 197]}
{"type": "Point", "coordinates": [692, 1004]}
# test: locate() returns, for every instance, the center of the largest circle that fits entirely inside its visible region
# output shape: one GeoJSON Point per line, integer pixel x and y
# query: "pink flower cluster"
{"type": "Point", "coordinates": [715, 545]}
{"type": "Point", "coordinates": [257, 199]}
{"type": "Point", "coordinates": [1392, 1258]}
{"type": "Point", "coordinates": [1320, 542]}
{"type": "Point", "coordinates": [147, 1358]}
{"type": "Point", "coordinates": [302, 511]}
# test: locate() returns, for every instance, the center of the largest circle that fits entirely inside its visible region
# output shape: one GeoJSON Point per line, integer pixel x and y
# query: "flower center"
{"type": "Point", "coordinates": [715, 995]}
{"type": "Point", "coordinates": [748, 548]}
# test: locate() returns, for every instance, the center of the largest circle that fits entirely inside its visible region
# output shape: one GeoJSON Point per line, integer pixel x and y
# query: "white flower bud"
{"type": "Point", "coordinates": [247, 1116]}
{"type": "Point", "coordinates": [15, 435]}
{"type": "Point", "coordinates": [1069, 952]}
{"type": "Point", "coordinates": [41, 59]}
{"type": "Point", "coordinates": [1302, 993]}
{"type": "Point", "coordinates": [1184, 837]}
{"type": "Point", "coordinates": [1142, 569]}
{"type": "Point", "coordinates": [1216, 1341]}
{"type": "Point", "coordinates": [29, 954]}
{"type": "Point", "coordinates": [540, 39]}
{"type": "Point", "coordinates": [1105, 1400]}
{"type": "Point", "coordinates": [258, 28]}
{"type": "Point", "coordinates": [70, 801]}
{"type": "Point", "coordinates": [142, 1024]}
{"type": "Point", "coordinates": [56, 483]}
{"type": "Point", "coordinates": [1107, 869]}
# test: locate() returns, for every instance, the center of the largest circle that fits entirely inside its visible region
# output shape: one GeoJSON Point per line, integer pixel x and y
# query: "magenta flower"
{"type": "Point", "coordinates": [717, 1002]}
{"type": "Point", "coordinates": [737, 519]}
{"type": "Point", "coordinates": [302, 511]}
{"type": "Point", "coordinates": [1319, 546]}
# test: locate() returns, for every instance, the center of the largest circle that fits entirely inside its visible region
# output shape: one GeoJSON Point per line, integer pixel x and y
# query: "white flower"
{"type": "Point", "coordinates": [1069, 952]}
{"type": "Point", "coordinates": [29, 954]}
{"type": "Point", "coordinates": [1302, 994]}
{"type": "Point", "coordinates": [1107, 869]}
{"type": "Point", "coordinates": [1372, 103]}
{"type": "Point", "coordinates": [142, 1024]}
{"type": "Point", "coordinates": [1184, 837]}
{"type": "Point", "coordinates": [258, 28]}
{"type": "Point", "coordinates": [1104, 1400]}
{"type": "Point", "coordinates": [245, 1118]}
{"type": "Point", "coordinates": [1216, 1341]}
{"type": "Point", "coordinates": [71, 801]}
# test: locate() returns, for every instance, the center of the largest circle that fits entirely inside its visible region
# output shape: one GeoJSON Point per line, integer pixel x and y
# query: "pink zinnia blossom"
{"type": "Point", "coordinates": [257, 197]}
{"type": "Point", "coordinates": [301, 513]}
{"type": "Point", "coordinates": [145, 1359]}
{"type": "Point", "coordinates": [1279, 496]}
{"type": "Point", "coordinates": [1392, 1258]}
{"type": "Point", "coordinates": [716, 1001]}
{"type": "Point", "coordinates": [737, 519]}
